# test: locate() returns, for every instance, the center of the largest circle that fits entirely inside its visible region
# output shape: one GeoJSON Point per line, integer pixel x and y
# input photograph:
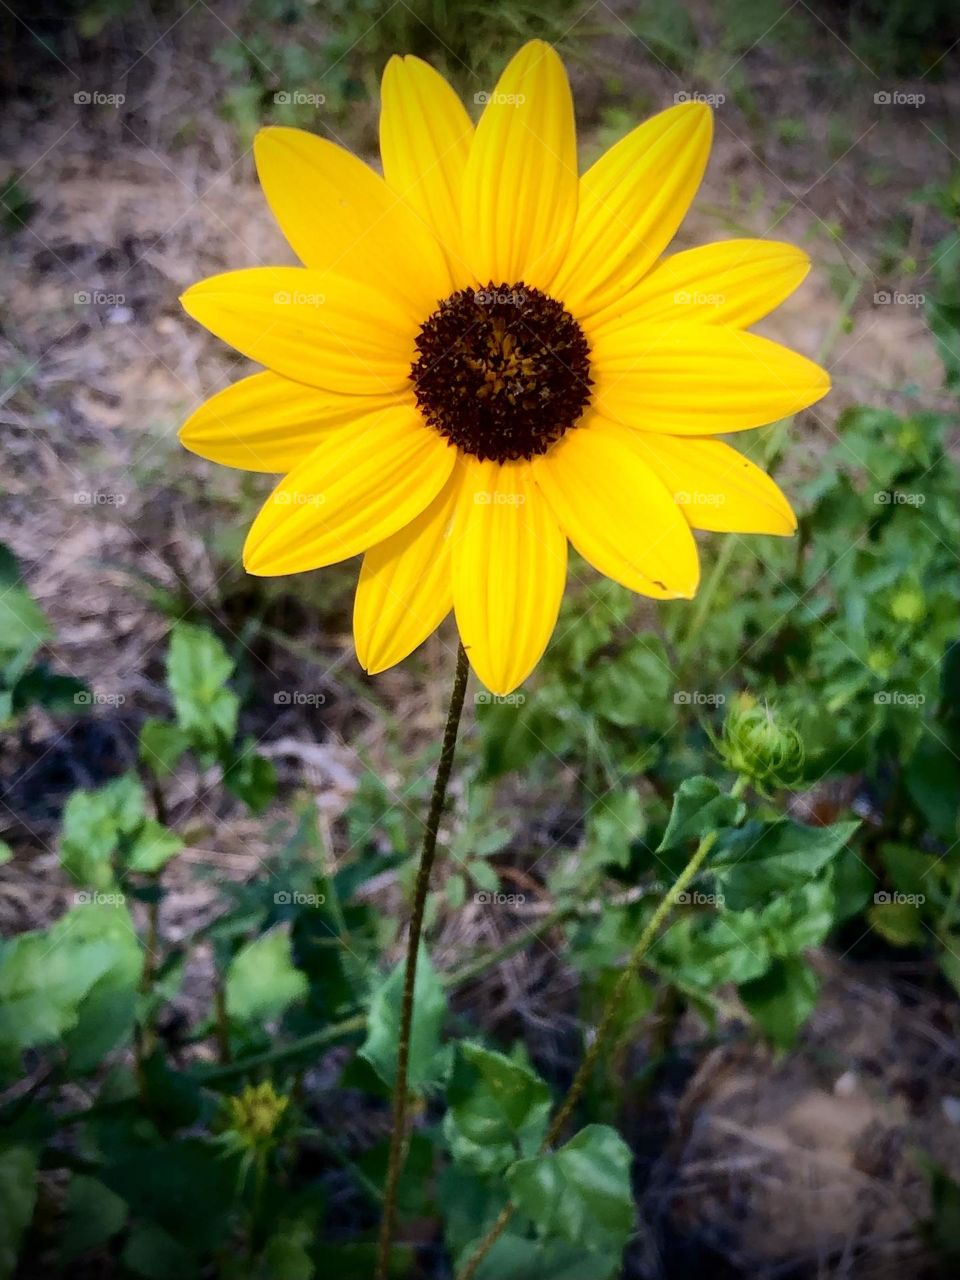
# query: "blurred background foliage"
{"type": "Point", "coordinates": [210, 816]}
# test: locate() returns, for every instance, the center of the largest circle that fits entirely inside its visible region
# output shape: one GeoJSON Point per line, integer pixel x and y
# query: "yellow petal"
{"type": "Point", "coordinates": [631, 203]}
{"type": "Point", "coordinates": [617, 512]}
{"type": "Point", "coordinates": [716, 487]}
{"type": "Point", "coordinates": [340, 216]}
{"type": "Point", "coordinates": [696, 380]}
{"type": "Point", "coordinates": [266, 423]}
{"type": "Point", "coordinates": [363, 483]}
{"type": "Point", "coordinates": [321, 330]}
{"type": "Point", "coordinates": [425, 136]}
{"type": "Point", "coordinates": [509, 569]}
{"type": "Point", "coordinates": [406, 588]}
{"type": "Point", "coordinates": [735, 283]}
{"type": "Point", "coordinates": [520, 191]}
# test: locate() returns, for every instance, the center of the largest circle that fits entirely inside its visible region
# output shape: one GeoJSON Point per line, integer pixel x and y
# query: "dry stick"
{"type": "Point", "coordinates": [611, 1012]}
{"type": "Point", "coordinates": [427, 852]}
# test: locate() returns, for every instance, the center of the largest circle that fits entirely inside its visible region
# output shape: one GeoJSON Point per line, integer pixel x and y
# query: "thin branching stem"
{"type": "Point", "coordinates": [612, 1011]}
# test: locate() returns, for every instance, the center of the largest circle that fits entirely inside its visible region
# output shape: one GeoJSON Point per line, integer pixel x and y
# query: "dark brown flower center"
{"type": "Point", "coordinates": [502, 372]}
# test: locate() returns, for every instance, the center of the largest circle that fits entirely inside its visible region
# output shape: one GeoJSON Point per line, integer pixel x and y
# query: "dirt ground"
{"type": "Point", "coordinates": [804, 1166]}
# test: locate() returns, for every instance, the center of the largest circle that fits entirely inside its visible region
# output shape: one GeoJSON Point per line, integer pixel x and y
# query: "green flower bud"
{"type": "Point", "coordinates": [759, 747]}
{"type": "Point", "coordinates": [254, 1115]}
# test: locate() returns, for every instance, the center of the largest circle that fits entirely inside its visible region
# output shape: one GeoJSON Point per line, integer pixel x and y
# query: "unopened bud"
{"type": "Point", "coordinates": [759, 746]}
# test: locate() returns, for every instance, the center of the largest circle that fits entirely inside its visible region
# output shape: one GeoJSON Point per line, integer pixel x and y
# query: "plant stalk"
{"type": "Point", "coordinates": [427, 853]}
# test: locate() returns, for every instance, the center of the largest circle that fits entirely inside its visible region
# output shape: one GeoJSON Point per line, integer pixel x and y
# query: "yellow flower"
{"type": "Point", "coordinates": [485, 355]}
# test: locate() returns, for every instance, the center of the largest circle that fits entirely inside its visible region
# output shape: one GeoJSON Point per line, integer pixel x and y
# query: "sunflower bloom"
{"type": "Point", "coordinates": [486, 356]}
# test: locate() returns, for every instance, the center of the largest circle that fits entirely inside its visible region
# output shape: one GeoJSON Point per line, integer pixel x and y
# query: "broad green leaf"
{"type": "Point", "coordinates": [383, 1025]}
{"type": "Point", "coordinates": [94, 822]}
{"type": "Point", "coordinates": [580, 1193]}
{"type": "Point", "coordinates": [6, 853]}
{"type": "Point", "coordinates": [287, 1252]}
{"type": "Point", "coordinates": [76, 979]}
{"type": "Point", "coordinates": [18, 1194]}
{"type": "Point", "coordinates": [633, 691]}
{"type": "Point", "coordinates": [800, 919]}
{"type": "Point", "coordinates": [251, 777]}
{"type": "Point", "coordinates": [853, 884]}
{"type": "Point", "coordinates": [515, 1257]}
{"type": "Point", "coordinates": [161, 746]}
{"type": "Point", "coordinates": [498, 1107]}
{"type": "Point", "coordinates": [763, 858]}
{"type": "Point", "coordinates": [706, 952]}
{"type": "Point", "coordinates": [152, 848]}
{"type": "Point", "coordinates": [106, 1013]}
{"type": "Point", "coordinates": [912, 872]}
{"type": "Point", "coordinates": [782, 999]}
{"type": "Point", "coordinates": [198, 668]}
{"type": "Point", "coordinates": [262, 981]}
{"type": "Point", "coordinates": [39, 686]}
{"type": "Point", "coordinates": [899, 923]}
{"type": "Point", "coordinates": [700, 806]}
{"type": "Point", "coordinates": [23, 626]}
{"type": "Point", "coordinates": [93, 1214]}
{"type": "Point", "coordinates": [156, 1254]}
{"type": "Point", "coordinates": [614, 822]}
{"type": "Point", "coordinates": [483, 875]}
{"type": "Point", "coordinates": [184, 1189]}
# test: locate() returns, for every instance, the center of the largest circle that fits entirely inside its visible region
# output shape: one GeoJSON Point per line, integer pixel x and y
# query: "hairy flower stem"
{"type": "Point", "coordinates": [612, 1011]}
{"type": "Point", "coordinates": [427, 852]}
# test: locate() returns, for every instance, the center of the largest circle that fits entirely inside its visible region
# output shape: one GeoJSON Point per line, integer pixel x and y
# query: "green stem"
{"type": "Point", "coordinates": [427, 853]}
{"type": "Point", "coordinates": [612, 1011]}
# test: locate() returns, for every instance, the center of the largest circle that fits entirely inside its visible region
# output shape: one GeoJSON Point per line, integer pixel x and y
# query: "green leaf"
{"type": "Point", "coordinates": [800, 919]}
{"type": "Point", "coordinates": [943, 1227]}
{"type": "Point", "coordinates": [700, 806]}
{"type": "Point", "coordinates": [483, 875]}
{"type": "Point", "coordinates": [161, 746]}
{"type": "Point", "coordinates": [615, 821]}
{"type": "Point", "coordinates": [705, 953]}
{"type": "Point", "coordinates": [515, 1257]}
{"type": "Point", "coordinates": [152, 848]}
{"type": "Point", "coordinates": [6, 853]}
{"type": "Point", "coordinates": [157, 1255]}
{"type": "Point", "coordinates": [287, 1252]}
{"type": "Point", "coordinates": [23, 626]}
{"type": "Point", "coordinates": [94, 1214]}
{"type": "Point", "coordinates": [106, 1013]}
{"type": "Point", "coordinates": [251, 777]}
{"type": "Point", "coordinates": [498, 1108]}
{"type": "Point", "coordinates": [853, 884]}
{"type": "Point", "coordinates": [262, 981]}
{"type": "Point", "coordinates": [899, 923]}
{"type": "Point", "coordinates": [94, 822]}
{"type": "Point", "coordinates": [18, 1195]}
{"type": "Point", "coordinates": [74, 982]}
{"type": "Point", "coordinates": [580, 1193]}
{"type": "Point", "coordinates": [763, 858]}
{"type": "Point", "coordinates": [198, 668]}
{"type": "Point", "coordinates": [383, 1025]}
{"type": "Point", "coordinates": [41, 687]}
{"type": "Point", "coordinates": [185, 1189]}
{"type": "Point", "coordinates": [782, 999]}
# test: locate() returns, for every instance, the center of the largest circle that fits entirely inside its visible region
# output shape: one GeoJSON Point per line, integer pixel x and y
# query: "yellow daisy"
{"type": "Point", "coordinates": [485, 355]}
